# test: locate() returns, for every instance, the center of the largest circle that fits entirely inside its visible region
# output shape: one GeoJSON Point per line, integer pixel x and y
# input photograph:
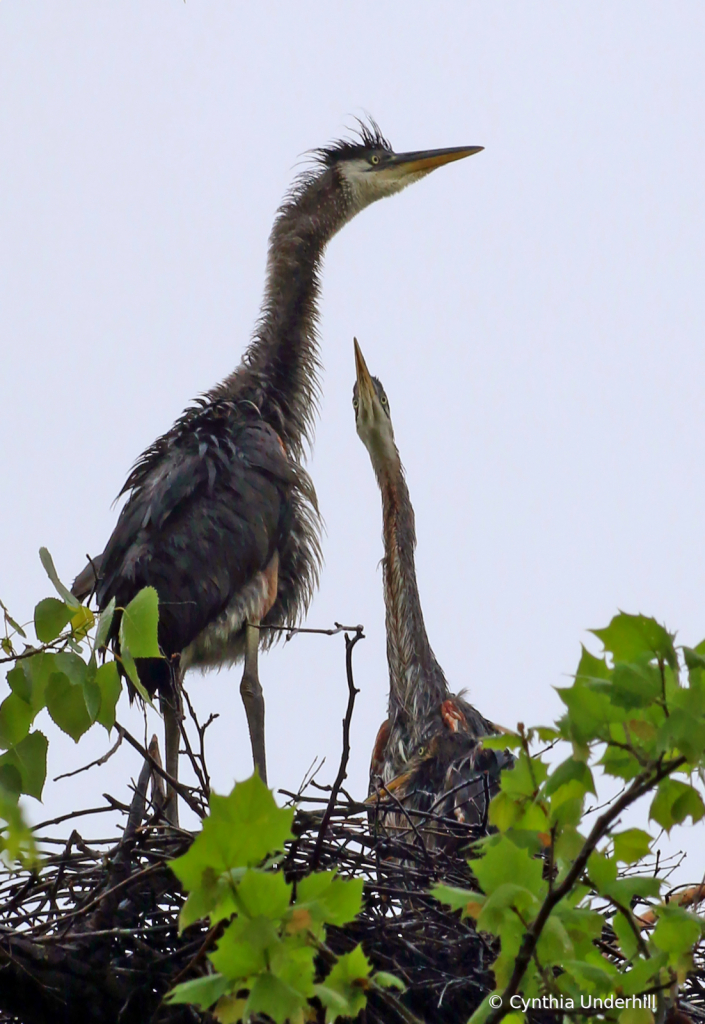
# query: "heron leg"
{"type": "Point", "coordinates": [172, 710]}
{"type": "Point", "coordinates": [253, 699]}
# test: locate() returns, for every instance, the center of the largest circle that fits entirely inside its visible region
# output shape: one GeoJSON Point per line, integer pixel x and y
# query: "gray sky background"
{"type": "Point", "coordinates": [535, 314]}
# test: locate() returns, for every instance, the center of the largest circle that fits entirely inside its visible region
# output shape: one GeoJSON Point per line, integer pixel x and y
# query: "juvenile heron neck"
{"type": "Point", "coordinates": [279, 372]}
{"type": "Point", "coordinates": [417, 683]}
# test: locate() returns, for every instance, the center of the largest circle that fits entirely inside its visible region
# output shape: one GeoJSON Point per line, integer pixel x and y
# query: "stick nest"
{"type": "Point", "coordinates": [93, 936]}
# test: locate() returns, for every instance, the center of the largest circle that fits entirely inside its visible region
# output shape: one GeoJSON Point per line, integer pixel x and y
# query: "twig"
{"type": "Point", "coordinates": [93, 764]}
{"type": "Point", "coordinates": [344, 757]}
{"type": "Point", "coordinates": [292, 631]}
{"type": "Point", "coordinates": [177, 786]}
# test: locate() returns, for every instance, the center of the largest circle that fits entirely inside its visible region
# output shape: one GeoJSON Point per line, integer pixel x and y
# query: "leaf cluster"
{"type": "Point", "coordinates": [272, 950]}
{"type": "Point", "coordinates": [636, 714]}
{"type": "Point", "coordinates": [61, 672]}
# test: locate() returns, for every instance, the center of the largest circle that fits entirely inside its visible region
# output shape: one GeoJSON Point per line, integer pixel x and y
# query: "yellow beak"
{"type": "Point", "coordinates": [366, 388]}
{"type": "Point", "coordinates": [428, 159]}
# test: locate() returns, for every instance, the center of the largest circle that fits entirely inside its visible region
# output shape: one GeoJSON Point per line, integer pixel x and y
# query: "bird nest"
{"type": "Point", "coordinates": [93, 935]}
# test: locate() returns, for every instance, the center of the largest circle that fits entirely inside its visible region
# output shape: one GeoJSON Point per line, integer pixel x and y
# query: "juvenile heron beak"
{"type": "Point", "coordinates": [425, 160]}
{"type": "Point", "coordinates": [389, 787]}
{"type": "Point", "coordinates": [365, 387]}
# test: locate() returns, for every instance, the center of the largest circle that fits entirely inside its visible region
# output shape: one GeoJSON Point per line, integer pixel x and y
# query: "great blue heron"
{"type": "Point", "coordinates": [221, 518]}
{"type": "Point", "coordinates": [428, 752]}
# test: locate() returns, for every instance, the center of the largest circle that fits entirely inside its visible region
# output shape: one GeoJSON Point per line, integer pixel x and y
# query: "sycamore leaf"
{"type": "Point", "coordinates": [632, 845]}
{"type": "Point", "coordinates": [201, 992]}
{"type": "Point", "coordinates": [240, 831]}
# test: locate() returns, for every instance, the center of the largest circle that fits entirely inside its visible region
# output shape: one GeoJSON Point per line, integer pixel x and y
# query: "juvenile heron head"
{"type": "Point", "coordinates": [372, 416]}
{"type": "Point", "coordinates": [369, 169]}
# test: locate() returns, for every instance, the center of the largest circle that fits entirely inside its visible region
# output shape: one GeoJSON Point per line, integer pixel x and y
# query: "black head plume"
{"type": "Point", "coordinates": [367, 136]}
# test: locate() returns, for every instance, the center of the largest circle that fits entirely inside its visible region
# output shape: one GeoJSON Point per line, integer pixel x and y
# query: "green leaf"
{"type": "Point", "coordinates": [625, 935]}
{"type": "Point", "coordinates": [636, 1015]}
{"type": "Point", "coordinates": [342, 992]}
{"type": "Point", "coordinates": [674, 802]}
{"type": "Point", "coordinates": [382, 979]}
{"type": "Point", "coordinates": [138, 625]}
{"type": "Point", "coordinates": [677, 931]}
{"type": "Point", "coordinates": [341, 903]}
{"type": "Point", "coordinates": [67, 706]}
{"type": "Point", "coordinates": [524, 778]}
{"type": "Point", "coordinates": [629, 636]}
{"type": "Point", "coordinates": [632, 845]}
{"type": "Point", "coordinates": [273, 997]}
{"type": "Point", "coordinates": [72, 666]}
{"type": "Point", "coordinates": [105, 621]}
{"type": "Point", "coordinates": [18, 629]}
{"type": "Point", "coordinates": [240, 831]}
{"type": "Point", "coordinates": [50, 617]}
{"type": "Point", "coordinates": [683, 732]}
{"type": "Point", "coordinates": [128, 663]}
{"type": "Point", "coordinates": [82, 622]}
{"type": "Point", "coordinates": [625, 889]}
{"type": "Point", "coordinates": [19, 683]}
{"type": "Point", "coordinates": [202, 992]}
{"type": "Point", "coordinates": [590, 977]}
{"type": "Point", "coordinates": [458, 899]}
{"type": "Point", "coordinates": [637, 980]}
{"type": "Point", "coordinates": [242, 946]}
{"type": "Point", "coordinates": [51, 572]}
{"type": "Point", "coordinates": [504, 863]}
{"type": "Point", "coordinates": [570, 770]}
{"type": "Point", "coordinates": [107, 679]}
{"type": "Point", "coordinates": [264, 894]}
{"type": "Point", "coordinates": [602, 870]}
{"type": "Point", "coordinates": [16, 716]}
{"type": "Point", "coordinates": [29, 757]}
{"type": "Point", "coordinates": [635, 685]}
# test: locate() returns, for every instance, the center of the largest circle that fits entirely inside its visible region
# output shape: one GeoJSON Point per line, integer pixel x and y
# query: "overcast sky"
{"type": "Point", "coordinates": [535, 313]}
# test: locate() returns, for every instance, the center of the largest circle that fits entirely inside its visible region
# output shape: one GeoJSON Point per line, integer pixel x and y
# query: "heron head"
{"type": "Point", "coordinates": [372, 416]}
{"type": "Point", "coordinates": [369, 169]}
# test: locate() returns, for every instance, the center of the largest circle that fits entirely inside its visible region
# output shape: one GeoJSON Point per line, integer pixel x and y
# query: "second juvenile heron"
{"type": "Point", "coordinates": [428, 752]}
{"type": "Point", "coordinates": [220, 517]}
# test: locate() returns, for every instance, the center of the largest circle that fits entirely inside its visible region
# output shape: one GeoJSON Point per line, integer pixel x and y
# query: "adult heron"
{"type": "Point", "coordinates": [220, 517]}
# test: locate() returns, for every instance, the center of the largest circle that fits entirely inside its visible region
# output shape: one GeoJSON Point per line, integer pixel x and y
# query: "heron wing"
{"type": "Point", "coordinates": [203, 517]}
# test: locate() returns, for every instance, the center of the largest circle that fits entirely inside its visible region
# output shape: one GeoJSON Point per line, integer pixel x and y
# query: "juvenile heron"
{"type": "Point", "coordinates": [428, 752]}
{"type": "Point", "coordinates": [221, 518]}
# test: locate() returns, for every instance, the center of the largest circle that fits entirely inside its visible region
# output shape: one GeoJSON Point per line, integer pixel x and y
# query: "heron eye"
{"type": "Point", "coordinates": [421, 751]}
{"type": "Point", "coordinates": [355, 403]}
{"type": "Point", "coordinates": [374, 159]}
{"type": "Point", "coordinates": [383, 399]}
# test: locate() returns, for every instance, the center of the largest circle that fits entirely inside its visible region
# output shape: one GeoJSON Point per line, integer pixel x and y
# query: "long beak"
{"type": "Point", "coordinates": [366, 389]}
{"type": "Point", "coordinates": [428, 159]}
{"type": "Point", "coordinates": [389, 787]}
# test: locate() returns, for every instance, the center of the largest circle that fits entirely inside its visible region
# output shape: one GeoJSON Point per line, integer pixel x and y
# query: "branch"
{"type": "Point", "coordinates": [292, 631]}
{"type": "Point", "coordinates": [93, 764]}
{"type": "Point", "coordinates": [182, 790]}
{"type": "Point", "coordinates": [641, 785]}
{"type": "Point", "coordinates": [343, 769]}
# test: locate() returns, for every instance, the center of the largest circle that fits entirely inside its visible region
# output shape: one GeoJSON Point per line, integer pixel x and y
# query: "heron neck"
{"type": "Point", "coordinates": [279, 373]}
{"type": "Point", "coordinates": [417, 683]}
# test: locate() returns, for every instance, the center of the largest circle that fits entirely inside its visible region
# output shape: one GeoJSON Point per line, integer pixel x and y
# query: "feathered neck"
{"type": "Point", "coordinates": [417, 684]}
{"type": "Point", "coordinates": [279, 371]}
